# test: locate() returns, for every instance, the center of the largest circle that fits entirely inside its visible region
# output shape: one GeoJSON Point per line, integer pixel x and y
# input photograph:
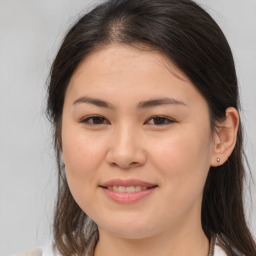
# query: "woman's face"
{"type": "Point", "coordinates": [137, 143]}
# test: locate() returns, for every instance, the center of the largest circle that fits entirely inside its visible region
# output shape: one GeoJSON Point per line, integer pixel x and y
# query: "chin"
{"type": "Point", "coordinates": [131, 229]}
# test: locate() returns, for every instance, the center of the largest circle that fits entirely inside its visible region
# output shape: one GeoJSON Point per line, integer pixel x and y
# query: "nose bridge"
{"type": "Point", "coordinates": [126, 134]}
{"type": "Point", "coordinates": [125, 142]}
{"type": "Point", "coordinates": [126, 149]}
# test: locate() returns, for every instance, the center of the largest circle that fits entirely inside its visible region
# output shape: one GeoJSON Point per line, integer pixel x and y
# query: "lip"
{"type": "Point", "coordinates": [127, 198]}
{"type": "Point", "coordinates": [127, 183]}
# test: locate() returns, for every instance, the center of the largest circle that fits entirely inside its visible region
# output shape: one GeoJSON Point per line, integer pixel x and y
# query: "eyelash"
{"type": "Point", "coordinates": [164, 119]}
{"type": "Point", "coordinates": [87, 120]}
{"type": "Point", "coordinates": [91, 120]}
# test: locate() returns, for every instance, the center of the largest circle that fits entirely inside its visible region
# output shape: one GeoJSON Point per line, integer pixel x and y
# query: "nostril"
{"type": "Point", "coordinates": [124, 165]}
{"type": "Point", "coordinates": [113, 164]}
{"type": "Point", "coordinates": [125, 159]}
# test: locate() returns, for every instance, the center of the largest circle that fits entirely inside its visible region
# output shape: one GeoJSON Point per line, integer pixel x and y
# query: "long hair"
{"type": "Point", "coordinates": [192, 40]}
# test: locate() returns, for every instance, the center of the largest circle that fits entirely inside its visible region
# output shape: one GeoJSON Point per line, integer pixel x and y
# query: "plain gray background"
{"type": "Point", "coordinates": [30, 33]}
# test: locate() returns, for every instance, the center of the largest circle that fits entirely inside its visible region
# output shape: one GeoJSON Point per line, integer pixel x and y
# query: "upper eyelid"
{"type": "Point", "coordinates": [91, 116]}
{"type": "Point", "coordinates": [86, 118]}
{"type": "Point", "coordinates": [161, 116]}
{"type": "Point", "coordinates": [155, 116]}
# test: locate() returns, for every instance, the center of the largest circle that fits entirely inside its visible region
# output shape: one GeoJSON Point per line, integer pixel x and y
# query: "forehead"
{"type": "Point", "coordinates": [119, 70]}
{"type": "Point", "coordinates": [114, 57]}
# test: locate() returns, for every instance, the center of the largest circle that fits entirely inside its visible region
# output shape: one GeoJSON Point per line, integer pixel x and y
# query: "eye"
{"type": "Point", "coordinates": [95, 120]}
{"type": "Point", "coordinates": [160, 120]}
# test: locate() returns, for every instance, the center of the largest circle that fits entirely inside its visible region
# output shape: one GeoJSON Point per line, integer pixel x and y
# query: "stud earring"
{"type": "Point", "coordinates": [218, 159]}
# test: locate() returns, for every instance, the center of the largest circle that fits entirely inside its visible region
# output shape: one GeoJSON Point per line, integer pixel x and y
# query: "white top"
{"type": "Point", "coordinates": [48, 251]}
{"type": "Point", "coordinates": [219, 251]}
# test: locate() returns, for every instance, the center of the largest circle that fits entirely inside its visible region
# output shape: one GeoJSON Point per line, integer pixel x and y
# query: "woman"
{"type": "Point", "coordinates": [144, 101]}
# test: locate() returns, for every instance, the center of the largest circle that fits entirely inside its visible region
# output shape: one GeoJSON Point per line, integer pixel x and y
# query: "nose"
{"type": "Point", "coordinates": [126, 149]}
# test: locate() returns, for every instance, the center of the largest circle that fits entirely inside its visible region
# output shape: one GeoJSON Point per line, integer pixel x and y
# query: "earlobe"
{"type": "Point", "coordinates": [225, 137]}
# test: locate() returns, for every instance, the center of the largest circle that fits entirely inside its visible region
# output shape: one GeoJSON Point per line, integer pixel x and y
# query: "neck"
{"type": "Point", "coordinates": [168, 243]}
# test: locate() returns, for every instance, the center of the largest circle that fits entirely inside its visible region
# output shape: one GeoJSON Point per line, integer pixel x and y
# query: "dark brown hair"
{"type": "Point", "coordinates": [191, 39]}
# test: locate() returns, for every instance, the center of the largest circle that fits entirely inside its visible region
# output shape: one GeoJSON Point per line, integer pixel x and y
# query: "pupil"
{"type": "Point", "coordinates": [159, 120]}
{"type": "Point", "coordinates": [98, 120]}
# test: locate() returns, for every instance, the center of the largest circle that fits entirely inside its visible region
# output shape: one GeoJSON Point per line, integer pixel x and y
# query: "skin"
{"type": "Point", "coordinates": [174, 152]}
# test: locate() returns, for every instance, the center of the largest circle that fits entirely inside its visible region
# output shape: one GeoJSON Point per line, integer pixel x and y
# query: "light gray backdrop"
{"type": "Point", "coordinates": [30, 33]}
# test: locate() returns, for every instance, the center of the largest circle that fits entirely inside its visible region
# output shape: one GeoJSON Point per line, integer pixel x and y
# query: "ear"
{"type": "Point", "coordinates": [225, 137]}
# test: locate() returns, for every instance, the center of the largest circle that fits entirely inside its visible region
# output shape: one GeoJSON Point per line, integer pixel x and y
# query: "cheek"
{"type": "Point", "coordinates": [183, 161]}
{"type": "Point", "coordinates": [79, 158]}
{"type": "Point", "coordinates": [82, 157]}
{"type": "Point", "coordinates": [181, 148]}
{"type": "Point", "coordinates": [82, 152]}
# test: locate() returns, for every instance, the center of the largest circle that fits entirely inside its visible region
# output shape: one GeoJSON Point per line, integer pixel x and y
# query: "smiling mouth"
{"type": "Point", "coordinates": [128, 189]}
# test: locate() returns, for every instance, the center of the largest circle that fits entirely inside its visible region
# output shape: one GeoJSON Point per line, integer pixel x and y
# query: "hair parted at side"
{"type": "Point", "coordinates": [191, 39]}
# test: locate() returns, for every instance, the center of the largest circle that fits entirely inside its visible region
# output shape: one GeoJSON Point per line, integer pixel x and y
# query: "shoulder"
{"type": "Point", "coordinates": [35, 252]}
{"type": "Point", "coordinates": [47, 250]}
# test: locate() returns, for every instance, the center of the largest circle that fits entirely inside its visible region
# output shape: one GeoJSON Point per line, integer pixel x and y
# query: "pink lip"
{"type": "Point", "coordinates": [127, 198]}
{"type": "Point", "coordinates": [127, 183]}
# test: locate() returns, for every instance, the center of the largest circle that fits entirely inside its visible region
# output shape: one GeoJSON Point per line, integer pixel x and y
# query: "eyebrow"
{"type": "Point", "coordinates": [142, 104]}
{"type": "Point", "coordinates": [158, 102]}
{"type": "Point", "coordinates": [93, 101]}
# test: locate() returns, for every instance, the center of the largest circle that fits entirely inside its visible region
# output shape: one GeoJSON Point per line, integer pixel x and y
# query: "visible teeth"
{"type": "Point", "coordinates": [137, 188]}
{"type": "Point", "coordinates": [130, 189]}
{"type": "Point", "coordinates": [121, 189]}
